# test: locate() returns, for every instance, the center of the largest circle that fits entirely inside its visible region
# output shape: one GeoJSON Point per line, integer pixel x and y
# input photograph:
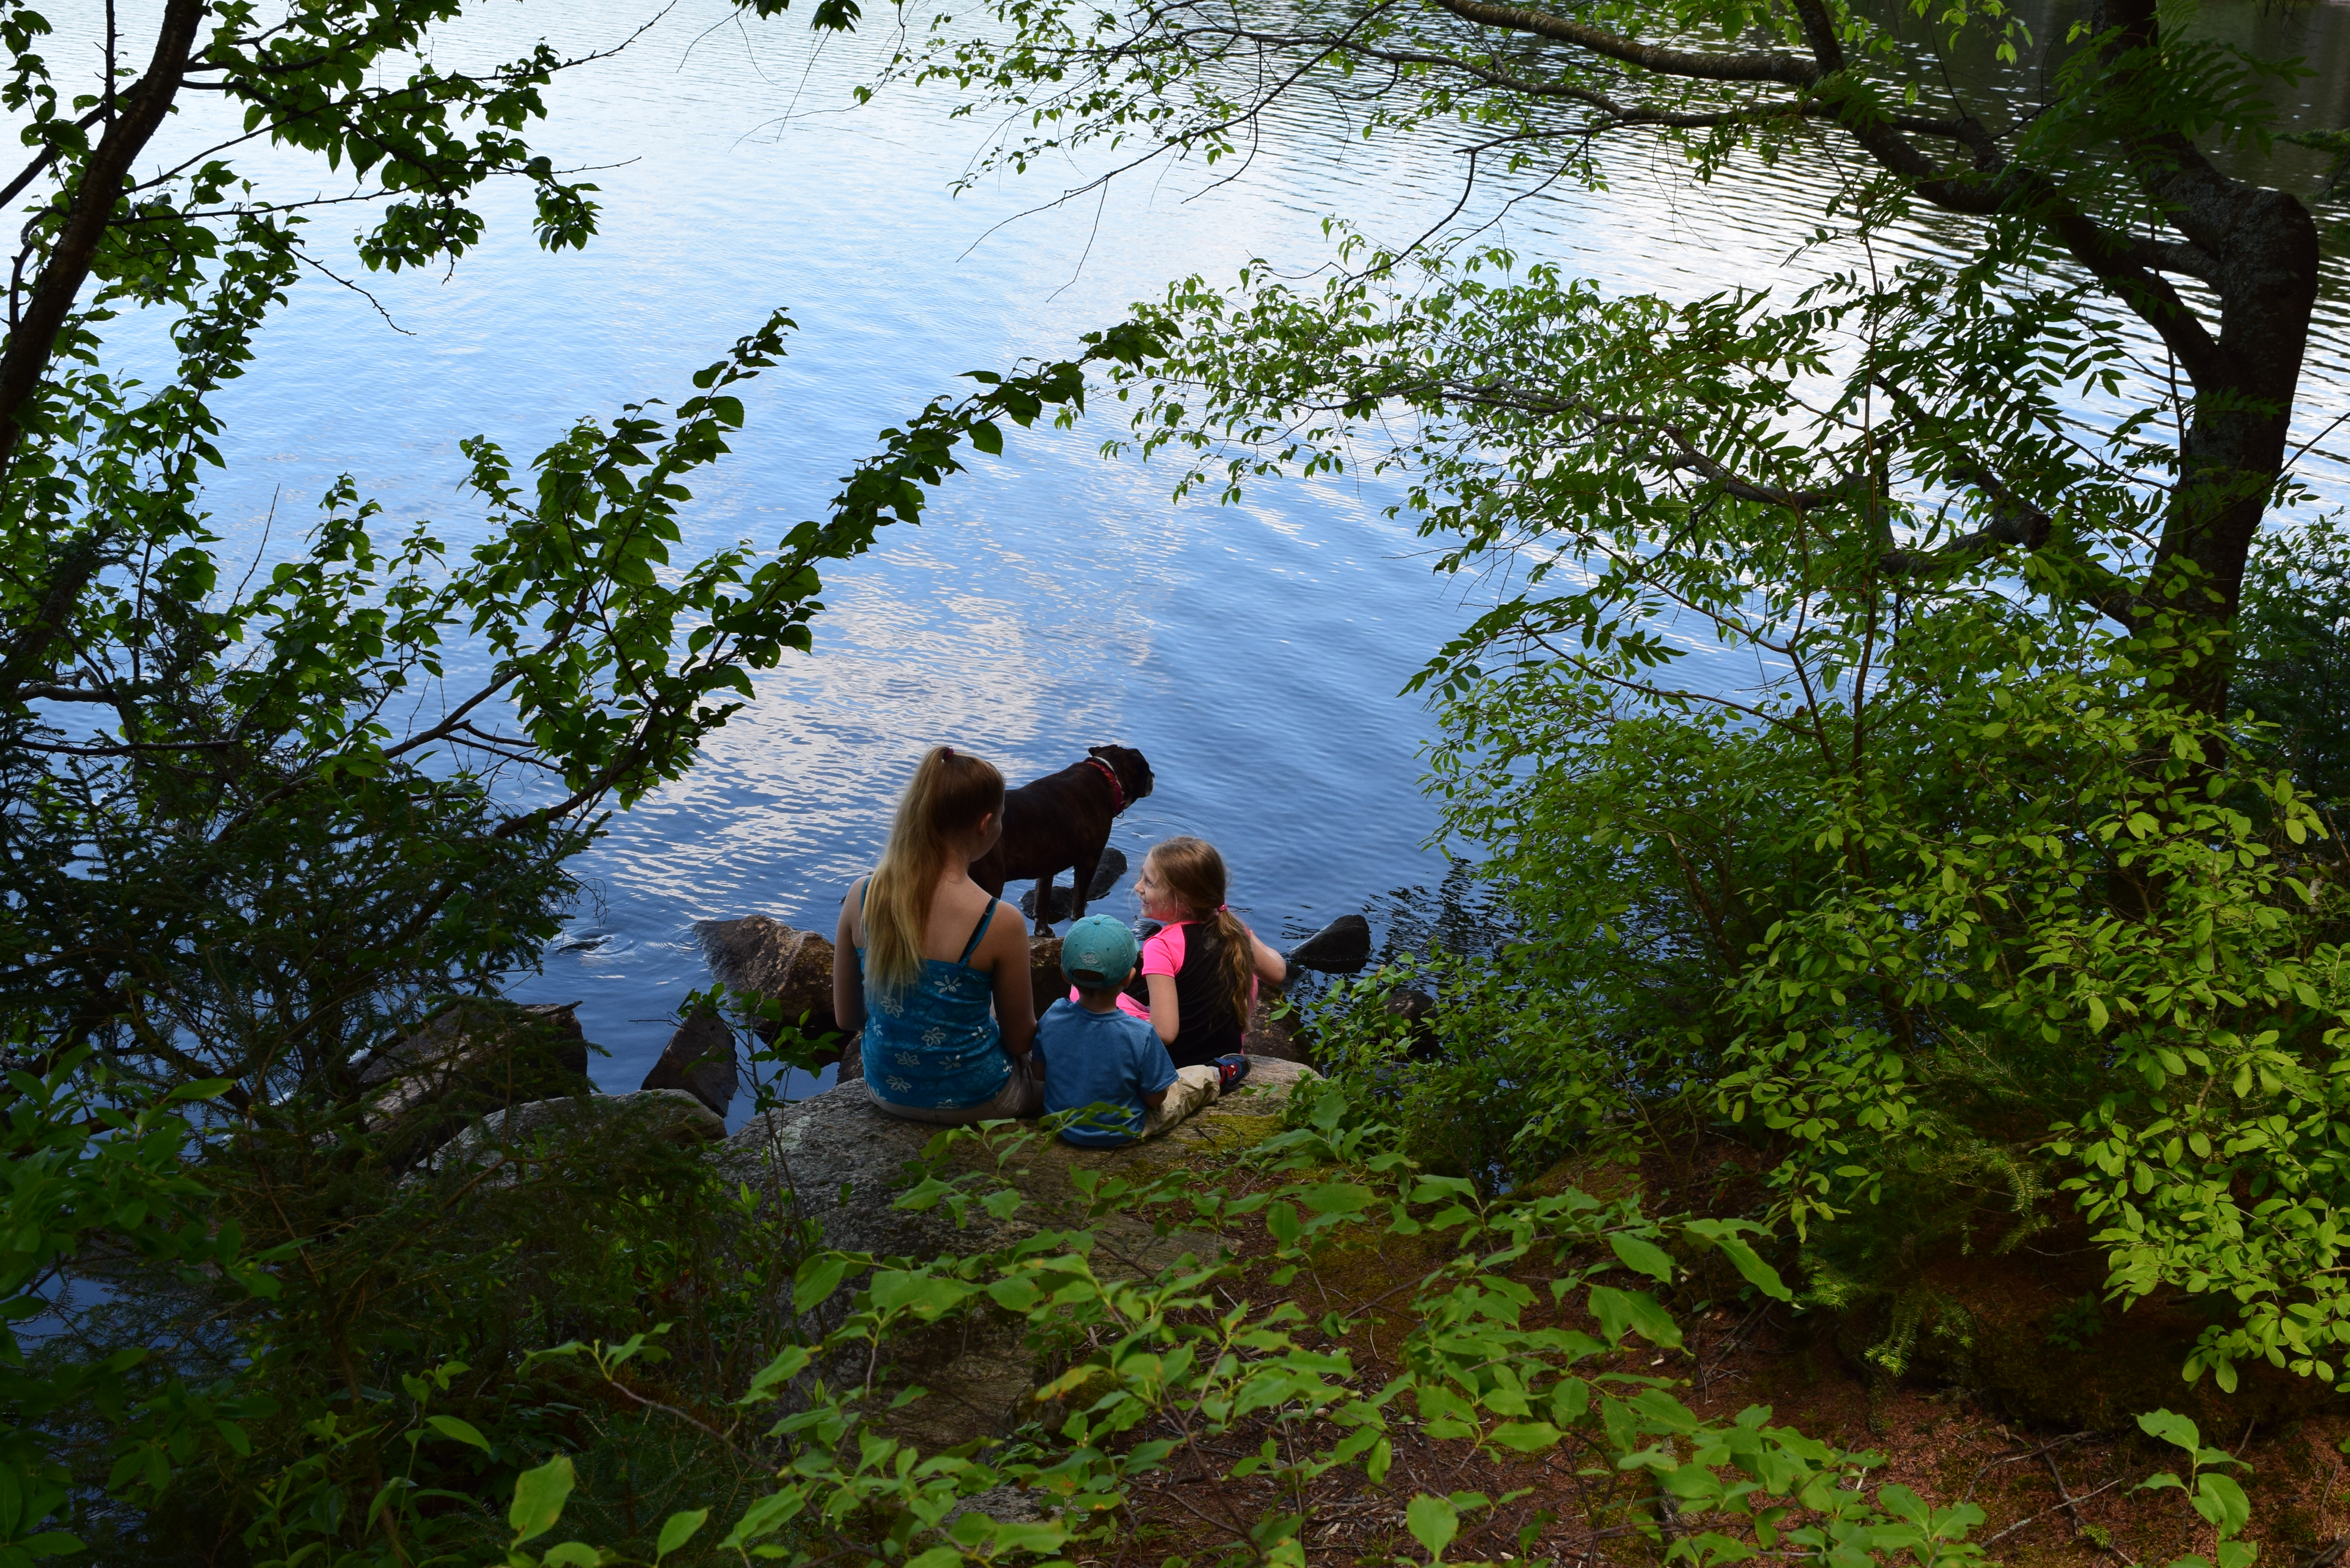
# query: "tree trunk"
{"type": "Point", "coordinates": [2235, 449]}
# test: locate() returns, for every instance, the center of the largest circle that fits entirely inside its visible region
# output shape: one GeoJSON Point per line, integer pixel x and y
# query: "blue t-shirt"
{"type": "Point", "coordinates": [1101, 1058]}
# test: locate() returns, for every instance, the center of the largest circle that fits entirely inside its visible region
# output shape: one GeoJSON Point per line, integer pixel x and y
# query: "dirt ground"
{"type": "Point", "coordinates": [2054, 1492]}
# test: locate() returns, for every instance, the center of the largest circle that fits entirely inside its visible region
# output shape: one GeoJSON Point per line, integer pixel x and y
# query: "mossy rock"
{"type": "Point", "coordinates": [848, 1162]}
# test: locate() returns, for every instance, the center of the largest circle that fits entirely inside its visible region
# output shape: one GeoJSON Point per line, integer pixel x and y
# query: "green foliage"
{"type": "Point", "coordinates": [83, 1171]}
{"type": "Point", "coordinates": [1517, 1083]}
{"type": "Point", "coordinates": [2215, 1497]}
{"type": "Point", "coordinates": [2293, 657]}
{"type": "Point", "coordinates": [2039, 914]}
{"type": "Point", "coordinates": [1179, 1371]}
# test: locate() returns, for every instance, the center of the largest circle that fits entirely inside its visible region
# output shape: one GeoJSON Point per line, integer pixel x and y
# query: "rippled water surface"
{"type": "Point", "coordinates": [1057, 600]}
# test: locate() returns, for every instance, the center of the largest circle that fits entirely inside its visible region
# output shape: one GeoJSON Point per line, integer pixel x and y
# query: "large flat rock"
{"type": "Point", "coordinates": [849, 1161]}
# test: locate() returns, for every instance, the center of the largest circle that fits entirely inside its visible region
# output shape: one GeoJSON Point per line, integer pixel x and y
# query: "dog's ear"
{"type": "Point", "coordinates": [1101, 751]}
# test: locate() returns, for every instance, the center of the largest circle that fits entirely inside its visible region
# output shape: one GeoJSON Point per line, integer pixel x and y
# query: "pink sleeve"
{"type": "Point", "coordinates": [1163, 953]}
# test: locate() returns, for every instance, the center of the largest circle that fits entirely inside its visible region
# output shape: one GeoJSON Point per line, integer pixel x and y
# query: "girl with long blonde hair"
{"type": "Point", "coordinates": [937, 985]}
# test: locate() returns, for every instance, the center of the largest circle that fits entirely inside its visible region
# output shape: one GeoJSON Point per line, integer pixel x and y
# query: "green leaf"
{"type": "Point", "coordinates": [1433, 1522]}
{"type": "Point", "coordinates": [1526, 1437]}
{"type": "Point", "coordinates": [2223, 1503]}
{"type": "Point", "coordinates": [924, 1296]}
{"type": "Point", "coordinates": [450, 1426]}
{"type": "Point", "coordinates": [2172, 1428]}
{"type": "Point", "coordinates": [572, 1554]}
{"type": "Point", "coordinates": [1754, 1269]}
{"type": "Point", "coordinates": [815, 1279]}
{"type": "Point", "coordinates": [1015, 1292]}
{"type": "Point", "coordinates": [788, 1364]}
{"type": "Point", "coordinates": [1637, 1310]}
{"type": "Point", "coordinates": [1339, 1198]}
{"type": "Point", "coordinates": [764, 1517]}
{"type": "Point", "coordinates": [538, 1497]}
{"type": "Point", "coordinates": [1643, 1257]}
{"type": "Point", "coordinates": [678, 1530]}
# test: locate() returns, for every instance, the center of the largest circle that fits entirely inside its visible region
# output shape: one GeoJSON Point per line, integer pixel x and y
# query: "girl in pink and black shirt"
{"type": "Point", "coordinates": [1201, 969]}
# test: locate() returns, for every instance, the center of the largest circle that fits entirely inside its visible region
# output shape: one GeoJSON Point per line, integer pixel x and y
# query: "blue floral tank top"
{"type": "Point", "coordinates": [935, 1044]}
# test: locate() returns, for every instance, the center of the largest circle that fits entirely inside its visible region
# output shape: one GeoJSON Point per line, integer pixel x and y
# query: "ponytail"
{"type": "Point", "coordinates": [951, 792]}
{"type": "Point", "coordinates": [1194, 876]}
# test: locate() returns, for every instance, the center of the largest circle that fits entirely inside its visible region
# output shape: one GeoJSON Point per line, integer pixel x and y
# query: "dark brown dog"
{"type": "Point", "coordinates": [1061, 822]}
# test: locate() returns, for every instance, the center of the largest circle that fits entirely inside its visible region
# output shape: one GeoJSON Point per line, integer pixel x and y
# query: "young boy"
{"type": "Point", "coordinates": [1096, 1056]}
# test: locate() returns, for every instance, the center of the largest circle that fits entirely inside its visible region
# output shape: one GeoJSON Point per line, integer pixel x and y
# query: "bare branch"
{"type": "Point", "coordinates": [1755, 66]}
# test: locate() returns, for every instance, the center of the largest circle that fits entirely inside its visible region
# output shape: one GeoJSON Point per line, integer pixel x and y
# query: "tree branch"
{"type": "Point", "coordinates": [1994, 184]}
{"type": "Point", "coordinates": [34, 339]}
{"type": "Point", "coordinates": [1755, 66]}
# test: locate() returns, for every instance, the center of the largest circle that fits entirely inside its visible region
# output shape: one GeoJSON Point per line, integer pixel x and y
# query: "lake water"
{"type": "Point", "coordinates": [1055, 600]}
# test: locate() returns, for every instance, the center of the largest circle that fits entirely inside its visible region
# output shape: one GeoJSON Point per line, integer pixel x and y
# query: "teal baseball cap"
{"type": "Point", "coordinates": [1099, 950]}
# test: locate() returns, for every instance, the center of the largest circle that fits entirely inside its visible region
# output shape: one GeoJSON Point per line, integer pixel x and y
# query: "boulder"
{"type": "Point", "coordinates": [470, 1059]}
{"type": "Point", "coordinates": [700, 1060]}
{"type": "Point", "coordinates": [1342, 947]}
{"type": "Point", "coordinates": [668, 1116]}
{"type": "Point", "coordinates": [1269, 1038]}
{"type": "Point", "coordinates": [849, 1160]}
{"type": "Point", "coordinates": [790, 968]}
{"type": "Point", "coordinates": [846, 1162]}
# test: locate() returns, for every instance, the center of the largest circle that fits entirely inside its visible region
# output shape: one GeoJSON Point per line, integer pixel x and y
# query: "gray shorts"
{"type": "Point", "coordinates": [1022, 1094]}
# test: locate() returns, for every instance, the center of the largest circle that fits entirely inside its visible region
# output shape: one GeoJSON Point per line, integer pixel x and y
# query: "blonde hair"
{"type": "Point", "coordinates": [951, 792]}
{"type": "Point", "coordinates": [1194, 874]}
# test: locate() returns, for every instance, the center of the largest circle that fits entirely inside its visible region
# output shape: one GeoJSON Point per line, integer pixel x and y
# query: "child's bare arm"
{"type": "Point", "coordinates": [1166, 1012]}
{"type": "Point", "coordinates": [1271, 967]}
{"type": "Point", "coordinates": [1153, 1101]}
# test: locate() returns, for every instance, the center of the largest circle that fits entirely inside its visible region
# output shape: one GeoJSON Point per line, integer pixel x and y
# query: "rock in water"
{"type": "Point", "coordinates": [1417, 1010]}
{"type": "Point", "coordinates": [790, 968]}
{"type": "Point", "coordinates": [1272, 1039]}
{"type": "Point", "coordinates": [1063, 902]}
{"type": "Point", "coordinates": [700, 1060]}
{"type": "Point", "coordinates": [1105, 876]}
{"type": "Point", "coordinates": [1342, 947]}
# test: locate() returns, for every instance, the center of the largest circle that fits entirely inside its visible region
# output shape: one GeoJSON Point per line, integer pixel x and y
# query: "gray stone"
{"type": "Point", "coordinates": [1416, 1011]}
{"type": "Point", "coordinates": [698, 1059]}
{"type": "Point", "coordinates": [1046, 983]}
{"type": "Point", "coordinates": [1269, 1038]}
{"type": "Point", "coordinates": [673, 1116]}
{"type": "Point", "coordinates": [1004, 1504]}
{"type": "Point", "coordinates": [848, 1161]}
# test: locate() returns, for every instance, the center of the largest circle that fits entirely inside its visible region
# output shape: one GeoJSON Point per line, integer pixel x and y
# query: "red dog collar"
{"type": "Point", "coordinates": [1116, 790]}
